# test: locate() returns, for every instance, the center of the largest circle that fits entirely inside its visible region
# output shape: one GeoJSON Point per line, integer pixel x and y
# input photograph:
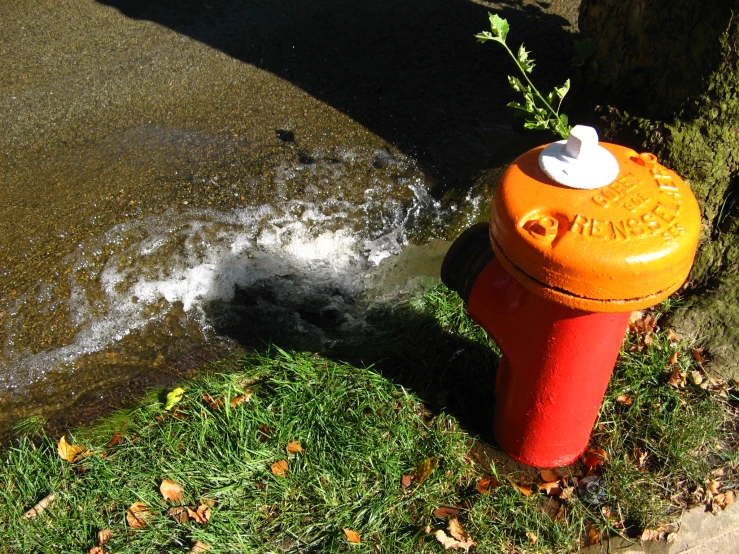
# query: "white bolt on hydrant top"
{"type": "Point", "coordinates": [579, 162]}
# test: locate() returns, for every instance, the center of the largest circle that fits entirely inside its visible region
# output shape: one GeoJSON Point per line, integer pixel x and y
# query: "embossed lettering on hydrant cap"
{"type": "Point", "coordinates": [579, 162]}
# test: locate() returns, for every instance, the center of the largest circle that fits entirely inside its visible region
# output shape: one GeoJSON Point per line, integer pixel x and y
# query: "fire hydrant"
{"type": "Point", "coordinates": [581, 233]}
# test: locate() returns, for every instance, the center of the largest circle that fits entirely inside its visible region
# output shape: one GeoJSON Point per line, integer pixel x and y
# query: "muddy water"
{"type": "Point", "coordinates": [162, 199]}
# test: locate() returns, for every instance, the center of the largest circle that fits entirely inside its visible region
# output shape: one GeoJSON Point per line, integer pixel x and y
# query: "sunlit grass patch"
{"type": "Point", "coordinates": [376, 467]}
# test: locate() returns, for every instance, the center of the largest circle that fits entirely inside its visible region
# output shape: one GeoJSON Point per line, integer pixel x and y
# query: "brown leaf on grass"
{"type": "Point", "coordinates": [246, 397]}
{"type": "Point", "coordinates": [213, 403]}
{"type": "Point", "coordinates": [446, 511]}
{"type": "Point", "coordinates": [624, 399]}
{"type": "Point", "coordinates": [548, 475]}
{"type": "Point", "coordinates": [138, 515]}
{"type": "Point", "coordinates": [524, 490]}
{"type": "Point", "coordinates": [552, 488]}
{"type": "Point", "coordinates": [698, 355]}
{"type": "Point", "coordinates": [488, 484]}
{"type": "Point", "coordinates": [566, 493]}
{"type": "Point", "coordinates": [40, 506]}
{"type": "Point", "coordinates": [560, 513]}
{"type": "Point", "coordinates": [293, 447]}
{"type": "Point", "coordinates": [179, 514]}
{"type": "Point", "coordinates": [279, 468]}
{"type": "Point", "coordinates": [594, 457]}
{"type": "Point", "coordinates": [673, 358]}
{"type": "Point", "coordinates": [406, 481]}
{"type": "Point", "coordinates": [116, 439]}
{"type": "Point", "coordinates": [424, 470]}
{"type": "Point", "coordinates": [263, 433]}
{"type": "Point", "coordinates": [457, 538]}
{"type": "Point", "coordinates": [103, 536]}
{"type": "Point", "coordinates": [593, 536]}
{"type": "Point", "coordinates": [533, 537]}
{"type": "Point", "coordinates": [677, 378]}
{"type": "Point", "coordinates": [672, 336]}
{"type": "Point", "coordinates": [171, 491]}
{"type": "Point", "coordinates": [201, 514]}
{"type": "Point", "coordinates": [352, 536]}
{"type": "Point", "coordinates": [69, 452]}
{"type": "Point", "coordinates": [199, 547]}
{"type": "Point", "coordinates": [97, 550]}
{"type": "Point", "coordinates": [640, 458]}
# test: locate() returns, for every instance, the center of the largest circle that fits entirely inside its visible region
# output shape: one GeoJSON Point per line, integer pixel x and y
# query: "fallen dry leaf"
{"type": "Point", "coordinates": [533, 537]}
{"type": "Point", "coordinates": [552, 488]}
{"type": "Point", "coordinates": [722, 501]}
{"type": "Point", "coordinates": [40, 506]}
{"type": "Point", "coordinates": [293, 447]}
{"type": "Point", "coordinates": [640, 457]}
{"type": "Point", "coordinates": [624, 399]}
{"type": "Point", "coordinates": [594, 457]}
{"type": "Point", "coordinates": [673, 358]}
{"type": "Point", "coordinates": [457, 538]}
{"type": "Point", "coordinates": [713, 486]}
{"type": "Point", "coordinates": [488, 484]}
{"type": "Point", "coordinates": [695, 377]}
{"type": "Point", "coordinates": [352, 536]}
{"type": "Point", "coordinates": [103, 536]}
{"type": "Point", "coordinates": [593, 536]}
{"type": "Point", "coordinates": [279, 468]}
{"type": "Point", "coordinates": [566, 493]}
{"type": "Point", "coordinates": [406, 481]}
{"type": "Point", "coordinates": [69, 452]}
{"type": "Point", "coordinates": [213, 403]}
{"type": "Point", "coordinates": [199, 547]}
{"type": "Point", "coordinates": [672, 336]}
{"type": "Point", "coordinates": [526, 491]}
{"type": "Point", "coordinates": [171, 491]}
{"type": "Point", "coordinates": [698, 355]}
{"type": "Point", "coordinates": [138, 515]}
{"type": "Point", "coordinates": [560, 513]}
{"type": "Point", "coordinates": [677, 378]}
{"type": "Point", "coordinates": [240, 399]}
{"type": "Point", "coordinates": [116, 439]}
{"type": "Point", "coordinates": [263, 433]}
{"type": "Point", "coordinates": [179, 514]}
{"type": "Point", "coordinates": [424, 470]}
{"type": "Point", "coordinates": [201, 514]}
{"type": "Point", "coordinates": [97, 550]}
{"type": "Point", "coordinates": [548, 475]}
{"type": "Point", "coordinates": [652, 535]}
{"type": "Point", "coordinates": [446, 511]}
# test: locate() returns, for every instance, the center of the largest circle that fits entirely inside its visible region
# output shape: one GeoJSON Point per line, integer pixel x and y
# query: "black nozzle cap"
{"type": "Point", "coordinates": [466, 259]}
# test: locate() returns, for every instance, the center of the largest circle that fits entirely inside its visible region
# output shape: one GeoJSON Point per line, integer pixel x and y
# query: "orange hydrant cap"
{"type": "Point", "coordinates": [620, 247]}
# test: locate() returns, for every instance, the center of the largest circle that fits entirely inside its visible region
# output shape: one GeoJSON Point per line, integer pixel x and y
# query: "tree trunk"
{"type": "Point", "coordinates": [674, 64]}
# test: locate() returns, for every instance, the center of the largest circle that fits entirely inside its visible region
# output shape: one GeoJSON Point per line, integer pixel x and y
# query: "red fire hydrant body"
{"type": "Point", "coordinates": [555, 282]}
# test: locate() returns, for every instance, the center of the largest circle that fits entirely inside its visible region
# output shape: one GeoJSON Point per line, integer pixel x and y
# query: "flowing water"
{"type": "Point", "coordinates": [182, 180]}
{"type": "Point", "coordinates": [136, 296]}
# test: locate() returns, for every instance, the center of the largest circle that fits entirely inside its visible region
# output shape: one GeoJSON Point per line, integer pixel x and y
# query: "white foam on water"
{"type": "Point", "coordinates": [119, 280]}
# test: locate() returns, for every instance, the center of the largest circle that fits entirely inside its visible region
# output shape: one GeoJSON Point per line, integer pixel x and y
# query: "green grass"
{"type": "Point", "coordinates": [361, 429]}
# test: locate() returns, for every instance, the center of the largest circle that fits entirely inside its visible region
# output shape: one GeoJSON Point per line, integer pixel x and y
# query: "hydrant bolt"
{"type": "Point", "coordinates": [544, 227]}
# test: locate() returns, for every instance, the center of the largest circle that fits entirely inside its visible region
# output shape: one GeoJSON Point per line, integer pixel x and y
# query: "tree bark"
{"type": "Point", "coordinates": [674, 66]}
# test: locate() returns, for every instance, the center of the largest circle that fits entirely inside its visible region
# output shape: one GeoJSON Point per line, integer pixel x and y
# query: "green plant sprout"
{"type": "Point", "coordinates": [538, 109]}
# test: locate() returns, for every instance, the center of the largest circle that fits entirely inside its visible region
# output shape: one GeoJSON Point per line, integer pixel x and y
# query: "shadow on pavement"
{"type": "Point", "coordinates": [411, 72]}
